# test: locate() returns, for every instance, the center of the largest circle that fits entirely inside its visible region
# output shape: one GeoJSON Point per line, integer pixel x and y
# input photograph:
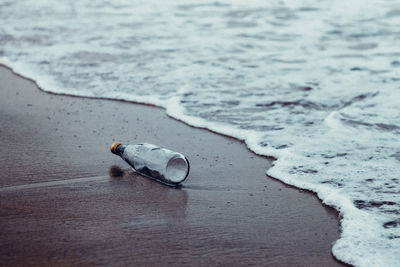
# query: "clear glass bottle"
{"type": "Point", "coordinates": [155, 162]}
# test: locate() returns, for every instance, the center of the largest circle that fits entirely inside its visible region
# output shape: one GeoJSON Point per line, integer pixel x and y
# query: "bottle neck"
{"type": "Point", "coordinates": [120, 149]}
{"type": "Point", "coordinates": [117, 148]}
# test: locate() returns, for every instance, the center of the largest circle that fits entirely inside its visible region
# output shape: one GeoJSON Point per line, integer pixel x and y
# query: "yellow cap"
{"type": "Point", "coordinates": [114, 146]}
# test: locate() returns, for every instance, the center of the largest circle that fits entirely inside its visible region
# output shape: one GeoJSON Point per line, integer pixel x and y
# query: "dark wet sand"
{"type": "Point", "coordinates": [227, 213]}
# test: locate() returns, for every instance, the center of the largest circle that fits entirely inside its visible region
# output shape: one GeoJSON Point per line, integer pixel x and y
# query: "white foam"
{"type": "Point", "coordinates": [314, 84]}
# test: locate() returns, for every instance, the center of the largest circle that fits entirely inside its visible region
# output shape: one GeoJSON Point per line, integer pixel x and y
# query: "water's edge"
{"type": "Point", "coordinates": [330, 208]}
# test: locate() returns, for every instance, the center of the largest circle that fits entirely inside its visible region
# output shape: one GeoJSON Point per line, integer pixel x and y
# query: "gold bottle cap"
{"type": "Point", "coordinates": [114, 146]}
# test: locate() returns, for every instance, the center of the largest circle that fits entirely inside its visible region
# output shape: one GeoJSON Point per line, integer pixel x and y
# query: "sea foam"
{"type": "Point", "coordinates": [314, 84]}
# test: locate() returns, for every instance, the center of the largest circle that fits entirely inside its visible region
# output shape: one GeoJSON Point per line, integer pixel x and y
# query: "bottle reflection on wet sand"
{"type": "Point", "coordinates": [151, 197]}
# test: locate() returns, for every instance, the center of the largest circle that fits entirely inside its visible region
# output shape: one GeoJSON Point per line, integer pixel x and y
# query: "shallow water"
{"type": "Point", "coordinates": [315, 84]}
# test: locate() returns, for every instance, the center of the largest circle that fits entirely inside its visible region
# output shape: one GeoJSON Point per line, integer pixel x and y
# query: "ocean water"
{"type": "Point", "coordinates": [315, 84]}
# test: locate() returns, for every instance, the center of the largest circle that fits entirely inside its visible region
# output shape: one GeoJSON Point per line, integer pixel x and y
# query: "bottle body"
{"type": "Point", "coordinates": [155, 162]}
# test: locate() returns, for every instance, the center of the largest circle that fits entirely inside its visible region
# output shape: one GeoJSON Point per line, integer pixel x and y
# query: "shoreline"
{"type": "Point", "coordinates": [221, 212]}
{"type": "Point", "coordinates": [270, 158]}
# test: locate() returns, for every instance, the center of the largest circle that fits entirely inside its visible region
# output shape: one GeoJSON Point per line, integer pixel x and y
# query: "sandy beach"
{"type": "Point", "coordinates": [66, 200]}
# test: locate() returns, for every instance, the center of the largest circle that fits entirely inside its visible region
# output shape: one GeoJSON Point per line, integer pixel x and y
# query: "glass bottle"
{"type": "Point", "coordinates": [155, 162]}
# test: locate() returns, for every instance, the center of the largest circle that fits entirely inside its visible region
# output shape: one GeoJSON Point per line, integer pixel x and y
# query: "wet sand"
{"type": "Point", "coordinates": [66, 200]}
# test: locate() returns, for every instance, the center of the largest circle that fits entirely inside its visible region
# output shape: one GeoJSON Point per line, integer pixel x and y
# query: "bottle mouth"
{"type": "Point", "coordinates": [114, 146]}
{"type": "Point", "coordinates": [177, 169]}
